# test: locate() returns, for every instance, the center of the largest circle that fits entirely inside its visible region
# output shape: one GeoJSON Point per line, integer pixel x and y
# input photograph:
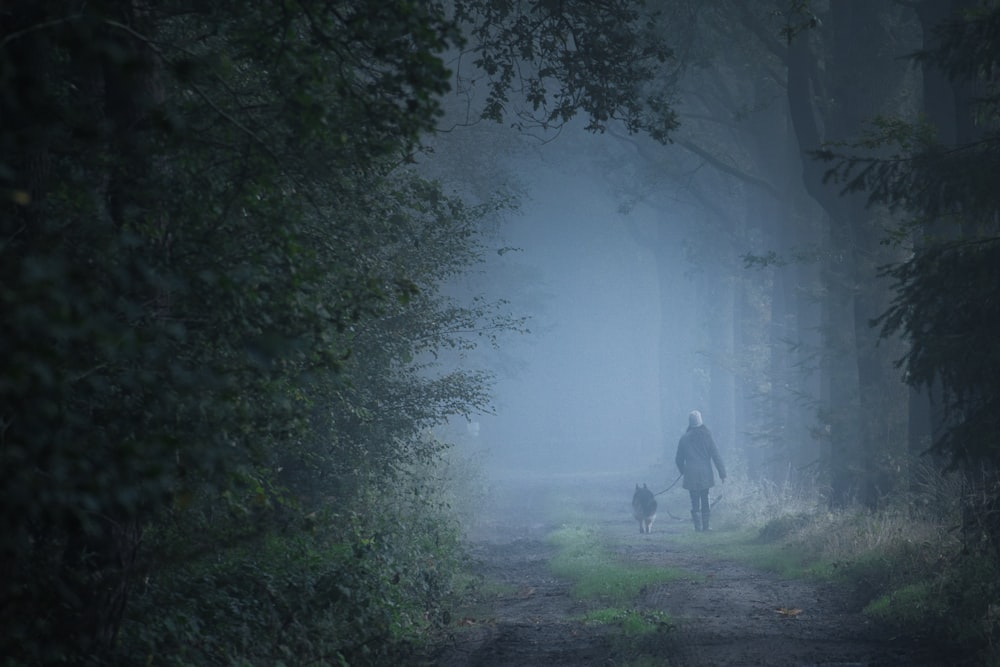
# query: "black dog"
{"type": "Point", "coordinates": [644, 508]}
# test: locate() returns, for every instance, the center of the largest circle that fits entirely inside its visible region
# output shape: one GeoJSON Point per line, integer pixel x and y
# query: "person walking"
{"type": "Point", "coordinates": [696, 452]}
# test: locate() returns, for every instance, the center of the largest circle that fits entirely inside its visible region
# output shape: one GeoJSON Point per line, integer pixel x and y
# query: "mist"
{"type": "Point", "coordinates": [586, 396]}
{"type": "Point", "coordinates": [614, 357]}
{"type": "Point", "coordinates": [327, 326]}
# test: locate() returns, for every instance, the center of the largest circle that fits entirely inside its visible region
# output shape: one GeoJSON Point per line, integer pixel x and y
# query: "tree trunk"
{"type": "Point", "coordinates": [831, 103]}
{"type": "Point", "coordinates": [131, 89]}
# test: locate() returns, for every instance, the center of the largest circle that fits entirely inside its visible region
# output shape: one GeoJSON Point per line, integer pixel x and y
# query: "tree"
{"type": "Point", "coordinates": [176, 255]}
{"type": "Point", "coordinates": [558, 59]}
{"type": "Point", "coordinates": [944, 304]}
{"type": "Point", "coordinates": [727, 187]}
{"type": "Point", "coordinates": [946, 190]}
{"type": "Point", "coordinates": [862, 408]}
{"type": "Point", "coordinates": [218, 296]}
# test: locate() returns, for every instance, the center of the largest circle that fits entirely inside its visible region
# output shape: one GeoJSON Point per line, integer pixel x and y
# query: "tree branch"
{"type": "Point", "coordinates": [725, 168]}
{"type": "Point", "coordinates": [767, 38]}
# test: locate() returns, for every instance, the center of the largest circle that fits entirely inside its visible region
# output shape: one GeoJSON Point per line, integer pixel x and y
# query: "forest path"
{"type": "Point", "coordinates": [725, 613]}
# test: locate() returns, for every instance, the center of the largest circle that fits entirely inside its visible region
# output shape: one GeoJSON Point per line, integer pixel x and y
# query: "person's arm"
{"type": "Point", "coordinates": [718, 461]}
{"type": "Point", "coordinates": [681, 458]}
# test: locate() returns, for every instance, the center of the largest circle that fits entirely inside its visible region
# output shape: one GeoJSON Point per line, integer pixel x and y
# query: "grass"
{"type": "Point", "coordinates": [904, 565]}
{"type": "Point", "coordinates": [597, 573]}
{"type": "Point", "coordinates": [469, 586]}
{"type": "Point", "coordinates": [910, 604]}
{"type": "Point", "coordinates": [474, 596]}
{"type": "Point", "coordinates": [743, 546]}
{"type": "Point", "coordinates": [633, 622]}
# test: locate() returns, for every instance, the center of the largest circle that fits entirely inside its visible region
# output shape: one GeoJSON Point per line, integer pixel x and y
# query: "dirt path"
{"type": "Point", "coordinates": [726, 614]}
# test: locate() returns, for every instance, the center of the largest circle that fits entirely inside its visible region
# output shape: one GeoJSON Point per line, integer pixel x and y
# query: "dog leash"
{"type": "Point", "coordinates": [671, 486]}
{"type": "Point", "coordinates": [678, 518]}
{"type": "Point", "coordinates": [681, 518]}
{"type": "Point", "coordinates": [717, 498]}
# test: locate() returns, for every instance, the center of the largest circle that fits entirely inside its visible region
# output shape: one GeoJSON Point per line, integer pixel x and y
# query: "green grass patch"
{"type": "Point", "coordinates": [780, 557]}
{"type": "Point", "coordinates": [903, 567]}
{"type": "Point", "coordinates": [956, 607]}
{"type": "Point", "coordinates": [633, 622]}
{"type": "Point", "coordinates": [466, 585]}
{"type": "Point", "coordinates": [905, 564]}
{"type": "Point", "coordinates": [583, 558]}
{"type": "Point", "coordinates": [913, 603]}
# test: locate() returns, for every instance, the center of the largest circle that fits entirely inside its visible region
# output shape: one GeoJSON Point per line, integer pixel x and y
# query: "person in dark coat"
{"type": "Point", "coordinates": [696, 452]}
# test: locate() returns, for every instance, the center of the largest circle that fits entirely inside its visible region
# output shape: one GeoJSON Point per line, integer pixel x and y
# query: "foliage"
{"type": "Point", "coordinates": [971, 590]}
{"type": "Point", "coordinates": [956, 607]}
{"type": "Point", "coordinates": [904, 166]}
{"type": "Point", "coordinates": [223, 310]}
{"type": "Point", "coordinates": [896, 545]}
{"type": "Point", "coordinates": [945, 305]}
{"type": "Point", "coordinates": [904, 566]}
{"type": "Point", "coordinates": [195, 256]}
{"type": "Point", "coordinates": [781, 527]}
{"type": "Point", "coordinates": [798, 18]}
{"type": "Point", "coordinates": [743, 502]}
{"type": "Point", "coordinates": [349, 590]}
{"type": "Point", "coordinates": [970, 51]}
{"type": "Point", "coordinates": [563, 58]}
{"type": "Point", "coordinates": [909, 605]}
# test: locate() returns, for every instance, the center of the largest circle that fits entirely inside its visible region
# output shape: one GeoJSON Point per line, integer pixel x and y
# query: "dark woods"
{"type": "Point", "coordinates": [207, 261]}
{"type": "Point", "coordinates": [940, 174]}
{"type": "Point", "coordinates": [221, 305]}
{"type": "Point", "coordinates": [223, 320]}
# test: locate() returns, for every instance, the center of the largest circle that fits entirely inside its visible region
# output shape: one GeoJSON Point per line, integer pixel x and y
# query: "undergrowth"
{"type": "Point", "coordinates": [336, 588]}
{"type": "Point", "coordinates": [904, 565]}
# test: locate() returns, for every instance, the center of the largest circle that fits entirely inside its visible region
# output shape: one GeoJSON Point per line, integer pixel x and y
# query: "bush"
{"type": "Point", "coordinates": [781, 527]}
{"type": "Point", "coordinates": [346, 588]}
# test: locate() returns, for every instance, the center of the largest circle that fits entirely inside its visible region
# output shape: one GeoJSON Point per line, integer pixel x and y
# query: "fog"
{"type": "Point", "coordinates": [587, 394]}
{"type": "Point", "coordinates": [580, 391]}
{"type": "Point", "coordinates": [290, 297]}
{"type": "Point", "coordinates": [721, 270]}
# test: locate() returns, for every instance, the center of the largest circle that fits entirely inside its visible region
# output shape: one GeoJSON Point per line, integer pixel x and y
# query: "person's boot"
{"type": "Point", "coordinates": [697, 520]}
{"type": "Point", "coordinates": [704, 521]}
